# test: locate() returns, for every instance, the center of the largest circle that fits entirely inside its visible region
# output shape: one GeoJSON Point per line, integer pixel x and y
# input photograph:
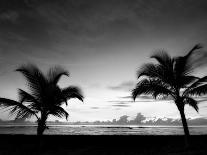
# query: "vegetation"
{"type": "Point", "coordinates": [45, 97]}
{"type": "Point", "coordinates": [172, 77]}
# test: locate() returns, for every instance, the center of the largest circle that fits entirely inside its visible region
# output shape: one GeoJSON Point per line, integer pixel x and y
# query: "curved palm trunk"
{"type": "Point", "coordinates": [185, 125]}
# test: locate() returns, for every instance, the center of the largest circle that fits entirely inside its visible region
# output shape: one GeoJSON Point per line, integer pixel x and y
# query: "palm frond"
{"type": "Point", "coordinates": [199, 82]}
{"type": "Point", "coordinates": [72, 92]}
{"type": "Point", "coordinates": [198, 85]}
{"type": "Point", "coordinates": [163, 58]}
{"type": "Point", "coordinates": [35, 79]}
{"type": "Point", "coordinates": [153, 87]}
{"type": "Point", "coordinates": [156, 71]}
{"type": "Point", "coordinates": [191, 102]}
{"type": "Point", "coordinates": [200, 90]}
{"type": "Point", "coordinates": [16, 108]}
{"type": "Point", "coordinates": [186, 81]}
{"type": "Point", "coordinates": [31, 100]}
{"type": "Point", "coordinates": [55, 73]}
{"type": "Point", "coordinates": [58, 112]}
{"type": "Point", "coordinates": [23, 113]}
{"type": "Point", "coordinates": [25, 97]}
{"type": "Point", "coordinates": [150, 70]}
{"type": "Point", "coordinates": [196, 47]}
{"type": "Point", "coordinates": [184, 65]}
{"type": "Point", "coordinates": [164, 68]}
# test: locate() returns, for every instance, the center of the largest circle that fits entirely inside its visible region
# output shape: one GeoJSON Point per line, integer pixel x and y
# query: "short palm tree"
{"type": "Point", "coordinates": [172, 77]}
{"type": "Point", "coordinates": [45, 97]}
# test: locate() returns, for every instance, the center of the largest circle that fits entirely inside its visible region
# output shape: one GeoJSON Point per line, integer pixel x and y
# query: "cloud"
{"type": "Point", "coordinates": [120, 101]}
{"type": "Point", "coordinates": [11, 16]}
{"type": "Point", "coordinates": [34, 25]}
{"type": "Point", "coordinates": [95, 108]}
{"type": "Point", "coordinates": [131, 101]}
{"type": "Point", "coordinates": [139, 97]}
{"type": "Point", "coordinates": [125, 97]}
{"type": "Point", "coordinates": [54, 29]}
{"type": "Point", "coordinates": [120, 105]}
{"type": "Point", "coordinates": [141, 119]}
{"type": "Point", "coordinates": [124, 86]}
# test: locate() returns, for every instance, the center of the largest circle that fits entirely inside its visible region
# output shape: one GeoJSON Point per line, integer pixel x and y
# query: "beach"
{"type": "Point", "coordinates": [103, 144]}
{"type": "Point", "coordinates": [103, 77]}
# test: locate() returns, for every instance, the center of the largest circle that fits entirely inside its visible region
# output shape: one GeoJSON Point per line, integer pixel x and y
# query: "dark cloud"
{"type": "Point", "coordinates": [44, 24]}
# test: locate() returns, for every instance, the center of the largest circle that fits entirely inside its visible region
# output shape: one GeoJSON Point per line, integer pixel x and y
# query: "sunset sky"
{"type": "Point", "coordinates": [102, 43]}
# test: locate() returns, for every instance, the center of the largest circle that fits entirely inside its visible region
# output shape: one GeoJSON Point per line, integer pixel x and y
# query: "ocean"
{"type": "Point", "coordinates": [102, 130]}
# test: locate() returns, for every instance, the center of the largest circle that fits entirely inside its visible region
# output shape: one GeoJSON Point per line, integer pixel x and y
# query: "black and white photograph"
{"type": "Point", "coordinates": [103, 77]}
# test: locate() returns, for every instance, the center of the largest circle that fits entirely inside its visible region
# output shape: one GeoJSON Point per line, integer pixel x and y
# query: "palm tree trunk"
{"type": "Point", "coordinates": [42, 124]}
{"type": "Point", "coordinates": [41, 127]}
{"type": "Point", "coordinates": [185, 126]}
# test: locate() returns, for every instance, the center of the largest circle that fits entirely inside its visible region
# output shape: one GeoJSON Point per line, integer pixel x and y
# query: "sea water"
{"type": "Point", "coordinates": [102, 130]}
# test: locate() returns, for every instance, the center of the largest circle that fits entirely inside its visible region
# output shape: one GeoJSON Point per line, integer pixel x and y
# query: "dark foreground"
{"type": "Point", "coordinates": [101, 145]}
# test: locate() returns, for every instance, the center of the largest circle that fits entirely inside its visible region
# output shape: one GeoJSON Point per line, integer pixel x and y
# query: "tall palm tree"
{"type": "Point", "coordinates": [44, 98]}
{"type": "Point", "coordinates": [172, 77]}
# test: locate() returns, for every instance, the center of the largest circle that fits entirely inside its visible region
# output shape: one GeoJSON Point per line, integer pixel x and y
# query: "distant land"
{"type": "Point", "coordinates": [123, 120]}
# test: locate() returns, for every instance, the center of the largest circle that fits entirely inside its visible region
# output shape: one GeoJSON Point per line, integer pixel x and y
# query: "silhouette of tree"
{"type": "Point", "coordinates": [45, 97]}
{"type": "Point", "coordinates": [172, 77]}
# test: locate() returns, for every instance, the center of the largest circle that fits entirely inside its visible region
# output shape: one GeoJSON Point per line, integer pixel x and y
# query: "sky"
{"type": "Point", "coordinates": [102, 43]}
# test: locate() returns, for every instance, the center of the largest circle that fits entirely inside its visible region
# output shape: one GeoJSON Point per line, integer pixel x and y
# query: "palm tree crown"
{"type": "Point", "coordinates": [45, 97]}
{"type": "Point", "coordinates": [171, 77]}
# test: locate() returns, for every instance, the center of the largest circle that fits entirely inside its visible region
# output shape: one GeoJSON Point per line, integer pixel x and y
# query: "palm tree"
{"type": "Point", "coordinates": [45, 97]}
{"type": "Point", "coordinates": [172, 77]}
